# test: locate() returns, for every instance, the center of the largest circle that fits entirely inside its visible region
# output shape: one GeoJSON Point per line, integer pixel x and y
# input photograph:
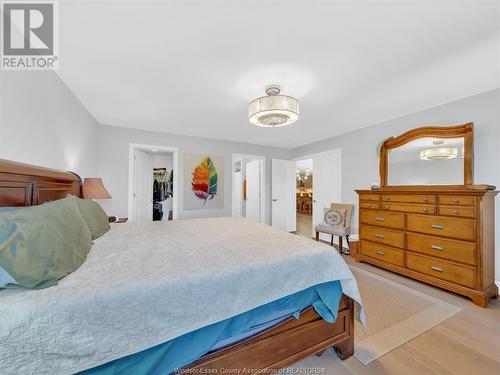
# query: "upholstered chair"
{"type": "Point", "coordinates": [342, 230]}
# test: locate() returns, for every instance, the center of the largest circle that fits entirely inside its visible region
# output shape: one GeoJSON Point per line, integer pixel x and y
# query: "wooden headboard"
{"type": "Point", "coordinates": [29, 185]}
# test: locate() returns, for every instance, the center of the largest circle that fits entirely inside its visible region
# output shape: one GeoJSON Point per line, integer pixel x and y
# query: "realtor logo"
{"type": "Point", "coordinates": [29, 35]}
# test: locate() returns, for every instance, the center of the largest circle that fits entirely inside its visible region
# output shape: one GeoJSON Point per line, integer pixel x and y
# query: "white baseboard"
{"type": "Point", "coordinates": [498, 283]}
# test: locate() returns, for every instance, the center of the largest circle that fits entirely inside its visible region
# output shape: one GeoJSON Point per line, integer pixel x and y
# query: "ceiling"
{"type": "Point", "coordinates": [191, 67]}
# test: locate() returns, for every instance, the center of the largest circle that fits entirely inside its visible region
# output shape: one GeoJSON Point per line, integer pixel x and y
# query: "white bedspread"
{"type": "Point", "coordinates": [144, 284]}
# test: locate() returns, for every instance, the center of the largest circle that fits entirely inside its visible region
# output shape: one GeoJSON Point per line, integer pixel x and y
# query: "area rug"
{"type": "Point", "coordinates": [395, 314]}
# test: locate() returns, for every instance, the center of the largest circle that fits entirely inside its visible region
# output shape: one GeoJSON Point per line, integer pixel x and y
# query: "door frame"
{"type": "Point", "coordinates": [234, 157]}
{"type": "Point", "coordinates": [131, 164]}
{"type": "Point", "coordinates": [337, 151]}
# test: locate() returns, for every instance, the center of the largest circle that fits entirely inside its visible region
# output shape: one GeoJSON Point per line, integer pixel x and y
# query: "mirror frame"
{"type": "Point", "coordinates": [456, 131]}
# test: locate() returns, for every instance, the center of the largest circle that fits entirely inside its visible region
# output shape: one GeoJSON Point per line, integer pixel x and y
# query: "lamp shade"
{"type": "Point", "coordinates": [273, 110]}
{"type": "Point", "coordinates": [93, 188]}
{"type": "Point", "coordinates": [438, 153]}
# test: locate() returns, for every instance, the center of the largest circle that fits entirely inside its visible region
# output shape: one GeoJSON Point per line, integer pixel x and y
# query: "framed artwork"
{"type": "Point", "coordinates": [203, 181]}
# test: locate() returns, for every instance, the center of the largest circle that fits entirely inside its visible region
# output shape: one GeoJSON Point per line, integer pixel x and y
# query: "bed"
{"type": "Point", "coordinates": [288, 297]}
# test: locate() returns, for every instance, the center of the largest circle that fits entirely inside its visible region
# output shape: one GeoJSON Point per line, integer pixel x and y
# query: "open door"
{"type": "Point", "coordinates": [283, 195]}
{"type": "Point", "coordinates": [253, 190]}
{"type": "Point", "coordinates": [143, 187]}
{"type": "Point", "coordinates": [326, 186]}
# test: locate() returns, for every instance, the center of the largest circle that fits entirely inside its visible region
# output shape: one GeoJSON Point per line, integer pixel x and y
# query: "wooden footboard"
{"type": "Point", "coordinates": [284, 344]}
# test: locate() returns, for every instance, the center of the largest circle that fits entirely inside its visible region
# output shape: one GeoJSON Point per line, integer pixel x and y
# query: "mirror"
{"type": "Point", "coordinates": [429, 155]}
{"type": "Point", "coordinates": [427, 161]}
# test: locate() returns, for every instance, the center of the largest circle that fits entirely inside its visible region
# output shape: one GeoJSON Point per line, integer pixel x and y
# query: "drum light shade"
{"type": "Point", "coordinates": [438, 153]}
{"type": "Point", "coordinates": [93, 188]}
{"type": "Point", "coordinates": [273, 110]}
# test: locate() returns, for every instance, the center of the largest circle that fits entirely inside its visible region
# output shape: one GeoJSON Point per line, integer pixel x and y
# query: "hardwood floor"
{"type": "Point", "coordinates": [467, 343]}
{"type": "Point", "coordinates": [304, 225]}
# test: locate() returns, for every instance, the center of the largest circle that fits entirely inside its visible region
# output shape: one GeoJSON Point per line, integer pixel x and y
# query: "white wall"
{"type": "Point", "coordinates": [427, 172]}
{"type": "Point", "coordinates": [43, 123]}
{"type": "Point", "coordinates": [113, 165]}
{"type": "Point", "coordinates": [360, 148]}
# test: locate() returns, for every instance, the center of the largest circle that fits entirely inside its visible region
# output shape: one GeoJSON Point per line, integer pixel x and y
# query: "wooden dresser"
{"type": "Point", "coordinates": [442, 237]}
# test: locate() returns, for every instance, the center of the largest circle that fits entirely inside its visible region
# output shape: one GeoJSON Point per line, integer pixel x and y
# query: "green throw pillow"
{"type": "Point", "coordinates": [97, 220]}
{"type": "Point", "coordinates": [40, 245]}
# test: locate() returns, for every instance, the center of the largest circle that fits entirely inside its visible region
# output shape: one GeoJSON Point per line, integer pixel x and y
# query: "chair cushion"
{"type": "Point", "coordinates": [336, 231]}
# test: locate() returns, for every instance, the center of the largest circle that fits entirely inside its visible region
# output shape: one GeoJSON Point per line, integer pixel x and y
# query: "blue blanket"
{"type": "Point", "coordinates": [172, 355]}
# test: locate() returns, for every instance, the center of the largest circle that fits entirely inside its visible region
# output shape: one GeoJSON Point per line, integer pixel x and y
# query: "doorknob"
{"type": "Point", "coordinates": [275, 199]}
{"type": "Point", "coordinates": [314, 200]}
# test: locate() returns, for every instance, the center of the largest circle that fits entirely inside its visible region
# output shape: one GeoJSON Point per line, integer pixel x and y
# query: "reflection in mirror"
{"type": "Point", "coordinates": [427, 161]}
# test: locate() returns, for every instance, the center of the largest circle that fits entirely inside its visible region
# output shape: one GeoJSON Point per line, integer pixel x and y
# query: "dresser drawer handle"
{"type": "Point", "coordinates": [368, 205]}
{"type": "Point", "coordinates": [455, 200]}
{"type": "Point", "coordinates": [437, 226]}
{"type": "Point", "coordinates": [426, 199]}
{"type": "Point", "coordinates": [386, 198]}
{"type": "Point", "coordinates": [386, 206]}
{"type": "Point", "coordinates": [437, 247]}
{"type": "Point", "coordinates": [379, 218]}
{"type": "Point", "coordinates": [379, 235]}
{"type": "Point", "coordinates": [456, 212]}
{"type": "Point", "coordinates": [437, 269]}
{"type": "Point", "coordinates": [426, 210]}
{"type": "Point", "coordinates": [380, 252]}
{"type": "Point", "coordinates": [369, 198]}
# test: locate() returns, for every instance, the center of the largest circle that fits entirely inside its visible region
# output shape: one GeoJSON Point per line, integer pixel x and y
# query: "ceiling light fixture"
{"type": "Point", "coordinates": [273, 110]}
{"type": "Point", "coordinates": [438, 153]}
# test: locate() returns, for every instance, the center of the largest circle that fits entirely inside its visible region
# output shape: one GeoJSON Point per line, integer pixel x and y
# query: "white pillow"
{"type": "Point", "coordinates": [334, 217]}
{"type": "Point", "coordinates": [5, 278]}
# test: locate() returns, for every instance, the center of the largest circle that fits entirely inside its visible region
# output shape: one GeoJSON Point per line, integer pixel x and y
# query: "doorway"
{"type": "Point", "coordinates": [152, 183]}
{"type": "Point", "coordinates": [323, 188]}
{"type": "Point", "coordinates": [163, 183]}
{"type": "Point", "coordinates": [248, 193]}
{"type": "Point", "coordinates": [304, 196]}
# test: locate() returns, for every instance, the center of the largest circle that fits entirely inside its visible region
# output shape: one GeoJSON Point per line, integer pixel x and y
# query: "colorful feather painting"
{"type": "Point", "coordinates": [204, 183]}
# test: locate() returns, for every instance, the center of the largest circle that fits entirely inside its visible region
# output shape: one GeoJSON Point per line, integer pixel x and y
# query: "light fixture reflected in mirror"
{"type": "Point", "coordinates": [439, 153]}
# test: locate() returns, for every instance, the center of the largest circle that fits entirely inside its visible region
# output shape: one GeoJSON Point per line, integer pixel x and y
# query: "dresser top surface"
{"type": "Point", "coordinates": [433, 189]}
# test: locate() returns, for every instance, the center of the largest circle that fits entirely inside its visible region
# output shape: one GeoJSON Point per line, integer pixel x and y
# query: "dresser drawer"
{"type": "Point", "coordinates": [369, 205]}
{"type": "Point", "coordinates": [462, 229]}
{"type": "Point", "coordinates": [463, 252]}
{"type": "Point", "coordinates": [383, 219]}
{"type": "Point", "coordinates": [382, 235]}
{"type": "Point", "coordinates": [369, 197]}
{"type": "Point", "coordinates": [457, 200]}
{"type": "Point", "coordinates": [414, 208]}
{"type": "Point", "coordinates": [409, 198]}
{"type": "Point", "coordinates": [383, 252]}
{"type": "Point", "coordinates": [441, 269]}
{"type": "Point", "coordinates": [457, 211]}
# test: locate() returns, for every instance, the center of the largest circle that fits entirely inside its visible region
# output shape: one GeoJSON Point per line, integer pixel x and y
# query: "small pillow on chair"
{"type": "Point", "coordinates": [334, 217]}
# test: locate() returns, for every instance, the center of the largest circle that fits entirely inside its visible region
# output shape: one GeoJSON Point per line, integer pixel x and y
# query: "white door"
{"type": "Point", "coordinates": [283, 195]}
{"type": "Point", "coordinates": [253, 190]}
{"type": "Point", "coordinates": [143, 187]}
{"type": "Point", "coordinates": [327, 174]}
